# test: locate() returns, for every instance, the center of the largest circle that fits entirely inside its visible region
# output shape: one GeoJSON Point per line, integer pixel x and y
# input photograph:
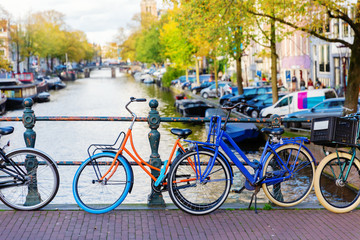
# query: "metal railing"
{"type": "Point", "coordinates": [29, 119]}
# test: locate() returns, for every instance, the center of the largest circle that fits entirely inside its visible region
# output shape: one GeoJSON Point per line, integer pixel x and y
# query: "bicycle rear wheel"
{"type": "Point", "coordinates": [332, 191]}
{"type": "Point", "coordinates": [185, 188]}
{"type": "Point", "coordinates": [41, 184]}
{"type": "Point", "coordinates": [291, 191]}
{"type": "Point", "coordinates": [100, 196]}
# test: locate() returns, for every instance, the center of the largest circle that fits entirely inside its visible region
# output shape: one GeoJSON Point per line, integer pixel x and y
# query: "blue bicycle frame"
{"type": "Point", "coordinates": [252, 178]}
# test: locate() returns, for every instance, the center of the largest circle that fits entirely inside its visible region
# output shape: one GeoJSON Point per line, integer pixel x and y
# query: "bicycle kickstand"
{"type": "Point", "coordinates": [257, 189]}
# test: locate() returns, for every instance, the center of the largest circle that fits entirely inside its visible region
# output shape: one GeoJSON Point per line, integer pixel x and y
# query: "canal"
{"type": "Point", "coordinates": [102, 95]}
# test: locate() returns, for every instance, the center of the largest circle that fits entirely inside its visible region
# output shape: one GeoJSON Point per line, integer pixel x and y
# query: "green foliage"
{"type": "Point", "coordinates": [171, 74]}
{"type": "Point", "coordinates": [267, 206]}
{"type": "Point", "coordinates": [148, 46]}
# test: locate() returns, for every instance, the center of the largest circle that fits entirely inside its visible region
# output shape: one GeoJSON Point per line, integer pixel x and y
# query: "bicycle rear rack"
{"type": "Point", "coordinates": [93, 148]}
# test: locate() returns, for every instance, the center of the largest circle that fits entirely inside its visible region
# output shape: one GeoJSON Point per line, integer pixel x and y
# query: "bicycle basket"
{"type": "Point", "coordinates": [332, 131]}
{"type": "Point", "coordinates": [214, 129]}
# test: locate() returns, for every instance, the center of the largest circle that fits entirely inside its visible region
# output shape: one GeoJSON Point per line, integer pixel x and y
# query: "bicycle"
{"type": "Point", "coordinates": [29, 178]}
{"type": "Point", "coordinates": [103, 181]}
{"type": "Point", "coordinates": [337, 182]}
{"type": "Point", "coordinates": [285, 171]}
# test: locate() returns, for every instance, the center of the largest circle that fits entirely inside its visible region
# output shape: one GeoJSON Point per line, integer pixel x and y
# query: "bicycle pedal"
{"type": "Point", "coordinates": [238, 191]}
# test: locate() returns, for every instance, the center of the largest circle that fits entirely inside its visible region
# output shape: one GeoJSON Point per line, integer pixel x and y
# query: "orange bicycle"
{"type": "Point", "coordinates": [103, 181]}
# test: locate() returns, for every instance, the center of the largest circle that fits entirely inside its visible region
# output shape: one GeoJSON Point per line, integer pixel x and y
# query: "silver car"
{"type": "Point", "coordinates": [224, 88]}
{"type": "Point", "coordinates": [329, 108]}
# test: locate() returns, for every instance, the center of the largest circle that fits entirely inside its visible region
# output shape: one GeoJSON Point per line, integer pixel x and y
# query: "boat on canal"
{"type": "Point", "coordinates": [16, 92]}
{"type": "Point", "coordinates": [191, 107]}
{"type": "Point", "coordinates": [239, 132]}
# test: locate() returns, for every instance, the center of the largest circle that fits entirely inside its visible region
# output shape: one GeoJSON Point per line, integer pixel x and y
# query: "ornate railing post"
{"type": "Point", "coordinates": [155, 198]}
{"type": "Point", "coordinates": [31, 162]}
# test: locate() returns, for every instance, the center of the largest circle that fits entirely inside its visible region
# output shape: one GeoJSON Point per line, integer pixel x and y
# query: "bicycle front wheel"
{"type": "Point", "coordinates": [334, 192]}
{"type": "Point", "coordinates": [100, 196]}
{"type": "Point", "coordinates": [187, 191]}
{"type": "Point", "coordinates": [41, 179]}
{"type": "Point", "coordinates": [284, 187]}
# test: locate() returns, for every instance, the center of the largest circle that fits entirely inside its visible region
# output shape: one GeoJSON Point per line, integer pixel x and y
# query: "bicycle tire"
{"type": "Point", "coordinates": [335, 196]}
{"type": "Point", "coordinates": [98, 197]}
{"type": "Point", "coordinates": [203, 198]}
{"type": "Point", "coordinates": [37, 191]}
{"type": "Point", "coordinates": [287, 193]}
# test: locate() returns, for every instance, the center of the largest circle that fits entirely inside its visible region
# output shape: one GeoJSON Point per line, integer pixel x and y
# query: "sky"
{"type": "Point", "coordinates": [99, 19]}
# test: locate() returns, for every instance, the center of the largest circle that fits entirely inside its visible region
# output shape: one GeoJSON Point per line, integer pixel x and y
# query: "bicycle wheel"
{"type": "Point", "coordinates": [291, 191]}
{"type": "Point", "coordinates": [42, 181]}
{"type": "Point", "coordinates": [332, 191]}
{"type": "Point", "coordinates": [96, 196]}
{"type": "Point", "coordinates": [185, 188]}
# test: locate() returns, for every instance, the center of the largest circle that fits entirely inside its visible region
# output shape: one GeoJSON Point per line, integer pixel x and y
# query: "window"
{"type": "Point", "coordinates": [345, 29]}
{"type": "Point", "coordinates": [336, 104]}
{"type": "Point", "coordinates": [330, 94]}
{"type": "Point", "coordinates": [323, 105]}
{"type": "Point", "coordinates": [285, 102]}
{"type": "Point", "coordinates": [324, 58]}
{"type": "Point", "coordinates": [336, 28]}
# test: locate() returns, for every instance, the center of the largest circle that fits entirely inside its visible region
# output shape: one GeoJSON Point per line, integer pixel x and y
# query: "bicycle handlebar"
{"type": "Point", "coordinates": [231, 107]}
{"type": "Point", "coordinates": [132, 99]}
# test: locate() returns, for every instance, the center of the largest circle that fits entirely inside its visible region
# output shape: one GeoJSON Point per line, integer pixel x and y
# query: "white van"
{"type": "Point", "coordinates": [298, 101]}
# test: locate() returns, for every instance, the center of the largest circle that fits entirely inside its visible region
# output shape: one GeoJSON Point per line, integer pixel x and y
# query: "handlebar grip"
{"type": "Point", "coordinates": [132, 99]}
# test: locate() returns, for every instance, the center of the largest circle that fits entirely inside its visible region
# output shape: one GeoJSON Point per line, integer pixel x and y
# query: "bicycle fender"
{"type": "Point", "coordinates": [124, 161]}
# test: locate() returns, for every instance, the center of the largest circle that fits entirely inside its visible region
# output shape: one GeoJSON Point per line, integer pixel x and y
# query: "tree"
{"type": "Point", "coordinates": [176, 44]}
{"type": "Point", "coordinates": [314, 17]}
{"type": "Point", "coordinates": [148, 46]}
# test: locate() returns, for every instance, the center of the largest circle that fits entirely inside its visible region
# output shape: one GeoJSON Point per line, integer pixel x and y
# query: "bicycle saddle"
{"type": "Point", "coordinates": [182, 133]}
{"type": "Point", "coordinates": [273, 131]}
{"type": "Point", "coordinates": [6, 130]}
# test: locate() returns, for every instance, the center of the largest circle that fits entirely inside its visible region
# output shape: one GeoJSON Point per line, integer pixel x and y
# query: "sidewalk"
{"type": "Point", "coordinates": [175, 224]}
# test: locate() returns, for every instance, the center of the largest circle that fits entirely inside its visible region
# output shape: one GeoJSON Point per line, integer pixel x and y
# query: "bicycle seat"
{"type": "Point", "coordinates": [273, 131]}
{"type": "Point", "coordinates": [6, 130]}
{"type": "Point", "coordinates": [182, 133]}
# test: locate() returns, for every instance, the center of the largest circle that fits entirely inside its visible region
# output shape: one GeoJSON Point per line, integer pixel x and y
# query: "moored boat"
{"type": "Point", "coordinates": [239, 132]}
{"type": "Point", "coordinates": [16, 92]}
{"type": "Point", "coordinates": [191, 107]}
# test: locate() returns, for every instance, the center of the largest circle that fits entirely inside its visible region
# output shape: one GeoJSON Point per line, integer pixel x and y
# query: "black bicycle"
{"type": "Point", "coordinates": [29, 178]}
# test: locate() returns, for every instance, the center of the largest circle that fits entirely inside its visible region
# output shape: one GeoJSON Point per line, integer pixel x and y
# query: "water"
{"type": "Point", "coordinates": [104, 96]}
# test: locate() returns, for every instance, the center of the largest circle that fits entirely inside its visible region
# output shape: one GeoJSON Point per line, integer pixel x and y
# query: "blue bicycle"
{"type": "Point", "coordinates": [285, 170]}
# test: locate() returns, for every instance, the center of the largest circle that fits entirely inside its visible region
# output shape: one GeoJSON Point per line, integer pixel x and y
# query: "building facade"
{"type": "Point", "coordinates": [5, 40]}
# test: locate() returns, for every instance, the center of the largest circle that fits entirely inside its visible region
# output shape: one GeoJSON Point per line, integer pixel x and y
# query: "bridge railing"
{"type": "Point", "coordinates": [153, 119]}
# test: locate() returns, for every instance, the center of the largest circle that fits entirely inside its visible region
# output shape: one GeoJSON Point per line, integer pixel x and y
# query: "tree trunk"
{"type": "Point", "coordinates": [17, 57]}
{"type": "Point", "coordinates": [352, 89]}
{"type": "Point", "coordinates": [239, 75]}
{"type": "Point", "coordinates": [197, 71]}
{"type": "Point", "coordinates": [273, 63]}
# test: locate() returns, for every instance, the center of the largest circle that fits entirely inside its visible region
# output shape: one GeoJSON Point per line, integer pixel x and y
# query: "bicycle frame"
{"type": "Point", "coordinates": [16, 173]}
{"type": "Point", "coordinates": [138, 159]}
{"type": "Point", "coordinates": [252, 178]}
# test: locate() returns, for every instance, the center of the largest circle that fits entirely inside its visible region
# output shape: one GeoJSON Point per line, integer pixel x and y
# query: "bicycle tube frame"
{"type": "Point", "coordinates": [16, 173]}
{"type": "Point", "coordinates": [251, 178]}
{"type": "Point", "coordinates": [139, 161]}
{"type": "Point", "coordinates": [353, 155]}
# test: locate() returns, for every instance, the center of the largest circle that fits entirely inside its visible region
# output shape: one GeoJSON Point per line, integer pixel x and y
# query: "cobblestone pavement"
{"type": "Point", "coordinates": [174, 224]}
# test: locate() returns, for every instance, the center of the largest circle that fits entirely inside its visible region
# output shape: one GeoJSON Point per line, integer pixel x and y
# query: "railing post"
{"type": "Point", "coordinates": [31, 162]}
{"type": "Point", "coordinates": [155, 198]}
{"type": "Point", "coordinates": [28, 120]}
{"type": "Point", "coordinates": [113, 73]}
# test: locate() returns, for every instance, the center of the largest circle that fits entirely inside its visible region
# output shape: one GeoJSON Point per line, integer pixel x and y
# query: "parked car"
{"type": "Point", "coordinates": [298, 101]}
{"type": "Point", "coordinates": [329, 108]}
{"type": "Point", "coordinates": [226, 97]}
{"type": "Point", "coordinates": [203, 85]}
{"type": "Point", "coordinates": [253, 107]}
{"type": "Point", "coordinates": [193, 83]}
{"type": "Point", "coordinates": [211, 91]}
{"type": "Point", "coordinates": [248, 94]}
